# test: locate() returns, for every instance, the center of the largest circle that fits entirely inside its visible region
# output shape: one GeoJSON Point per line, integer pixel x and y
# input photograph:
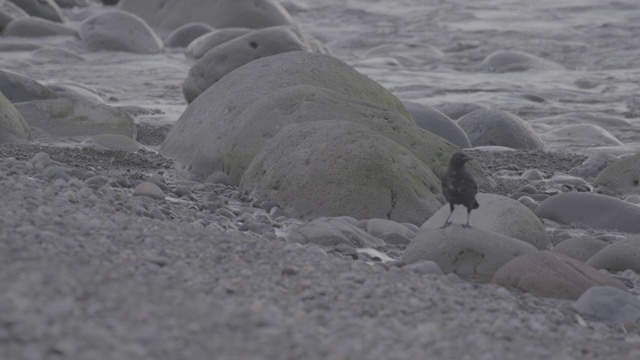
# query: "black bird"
{"type": "Point", "coordinates": [458, 186]}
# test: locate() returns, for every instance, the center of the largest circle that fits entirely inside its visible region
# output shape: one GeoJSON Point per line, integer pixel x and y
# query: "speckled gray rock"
{"type": "Point", "coordinates": [498, 214]}
{"type": "Point", "coordinates": [18, 88]}
{"type": "Point", "coordinates": [75, 119]}
{"type": "Point", "coordinates": [332, 232]}
{"type": "Point", "coordinates": [472, 252]}
{"type": "Point", "coordinates": [185, 34]}
{"type": "Point", "coordinates": [621, 177]}
{"type": "Point", "coordinates": [495, 127]}
{"type": "Point", "coordinates": [545, 273]}
{"type": "Point", "coordinates": [219, 13]}
{"type": "Point", "coordinates": [198, 47]}
{"type": "Point", "coordinates": [609, 304]}
{"type": "Point", "coordinates": [511, 60]}
{"type": "Point", "coordinates": [226, 57]}
{"type": "Point", "coordinates": [620, 256]}
{"type": "Point", "coordinates": [326, 168]}
{"type": "Point", "coordinates": [46, 9]}
{"type": "Point", "coordinates": [438, 123]}
{"type": "Point", "coordinates": [581, 248]}
{"type": "Point", "coordinates": [37, 27]}
{"type": "Point", "coordinates": [149, 190]}
{"type": "Point", "coordinates": [593, 210]}
{"type": "Point", "coordinates": [13, 128]}
{"type": "Point", "coordinates": [9, 12]}
{"type": "Point", "coordinates": [198, 143]}
{"type": "Point", "coordinates": [119, 31]}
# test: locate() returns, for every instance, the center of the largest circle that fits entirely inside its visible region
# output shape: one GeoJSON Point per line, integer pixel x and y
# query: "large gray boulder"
{"type": "Point", "coordinates": [621, 177]}
{"type": "Point", "coordinates": [262, 120]}
{"type": "Point", "coordinates": [13, 128]}
{"type": "Point", "coordinates": [469, 252]}
{"type": "Point", "coordinates": [119, 31]}
{"type": "Point", "coordinates": [9, 12]}
{"type": "Point", "coordinates": [199, 138]}
{"type": "Point", "coordinates": [234, 53]}
{"type": "Point", "coordinates": [438, 123]}
{"type": "Point", "coordinates": [75, 119]}
{"type": "Point", "coordinates": [620, 256]}
{"type": "Point", "coordinates": [592, 210]}
{"type": "Point", "coordinates": [511, 60]}
{"type": "Point", "coordinates": [200, 46]}
{"type": "Point", "coordinates": [499, 128]}
{"type": "Point", "coordinates": [18, 88]}
{"type": "Point", "coordinates": [46, 9]}
{"type": "Point", "coordinates": [545, 273]}
{"type": "Point", "coordinates": [37, 27]}
{"type": "Point", "coordinates": [501, 215]}
{"type": "Point", "coordinates": [169, 15]}
{"type": "Point", "coordinates": [336, 168]}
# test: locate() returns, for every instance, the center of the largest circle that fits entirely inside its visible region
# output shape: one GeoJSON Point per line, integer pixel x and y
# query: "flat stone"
{"type": "Point", "coordinates": [549, 274]}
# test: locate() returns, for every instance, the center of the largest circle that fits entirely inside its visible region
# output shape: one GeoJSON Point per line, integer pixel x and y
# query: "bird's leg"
{"type": "Point", "coordinates": [446, 223]}
{"type": "Point", "coordinates": [468, 215]}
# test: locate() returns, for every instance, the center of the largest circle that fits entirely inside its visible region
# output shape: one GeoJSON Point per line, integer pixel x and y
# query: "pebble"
{"type": "Point", "coordinates": [149, 190]}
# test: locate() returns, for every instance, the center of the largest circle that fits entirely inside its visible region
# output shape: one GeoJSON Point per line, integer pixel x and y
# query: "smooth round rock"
{"type": "Point", "coordinates": [455, 110]}
{"type": "Point", "coordinates": [579, 135]}
{"type": "Point", "coordinates": [218, 177]}
{"type": "Point", "coordinates": [224, 58]}
{"type": "Point", "coordinates": [498, 214]}
{"type": "Point", "coordinates": [334, 168]}
{"type": "Point", "coordinates": [13, 128]}
{"type": "Point", "coordinates": [149, 190]}
{"type": "Point", "coordinates": [198, 47]}
{"type": "Point", "coordinates": [326, 231]}
{"type": "Point", "coordinates": [510, 61]}
{"type": "Point", "coordinates": [119, 31]}
{"type": "Point", "coordinates": [621, 177]}
{"type": "Point", "coordinates": [19, 88]}
{"type": "Point", "coordinates": [75, 119]}
{"type": "Point", "coordinates": [473, 251]}
{"type": "Point", "coordinates": [438, 123]}
{"type": "Point", "coordinates": [495, 127]}
{"type": "Point", "coordinates": [113, 142]}
{"type": "Point", "coordinates": [169, 15]}
{"type": "Point", "coordinates": [198, 143]}
{"type": "Point", "coordinates": [185, 34]}
{"type": "Point", "coordinates": [620, 256]}
{"type": "Point", "coordinates": [581, 248]}
{"type": "Point", "coordinates": [592, 210]}
{"type": "Point", "coordinates": [593, 165]}
{"type": "Point", "coordinates": [37, 27]}
{"type": "Point", "coordinates": [549, 274]}
{"type": "Point", "coordinates": [46, 9]}
{"type": "Point", "coordinates": [610, 305]}
{"type": "Point", "coordinates": [9, 12]}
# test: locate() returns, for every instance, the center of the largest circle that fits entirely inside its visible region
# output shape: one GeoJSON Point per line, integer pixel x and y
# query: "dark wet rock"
{"type": "Point", "coordinates": [200, 46]}
{"type": "Point", "coordinates": [74, 119]}
{"type": "Point", "coordinates": [620, 256]}
{"type": "Point", "coordinates": [457, 110]}
{"type": "Point", "coordinates": [621, 177]}
{"type": "Point", "coordinates": [9, 12]}
{"type": "Point", "coordinates": [224, 58]}
{"type": "Point", "coordinates": [332, 232]}
{"type": "Point", "coordinates": [510, 60]}
{"type": "Point", "coordinates": [545, 273]}
{"type": "Point", "coordinates": [219, 14]}
{"type": "Point", "coordinates": [592, 210]}
{"type": "Point", "coordinates": [13, 128]}
{"type": "Point", "coordinates": [119, 31]}
{"type": "Point", "coordinates": [246, 86]}
{"type": "Point", "coordinates": [472, 252]}
{"type": "Point", "coordinates": [185, 34]}
{"type": "Point", "coordinates": [37, 27]}
{"type": "Point", "coordinates": [495, 127]}
{"type": "Point", "coordinates": [46, 9]}
{"type": "Point", "coordinates": [498, 214]}
{"type": "Point", "coordinates": [581, 248]}
{"type": "Point", "coordinates": [304, 168]}
{"type": "Point", "coordinates": [610, 305]}
{"type": "Point", "coordinates": [438, 123]}
{"type": "Point", "coordinates": [18, 88]}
